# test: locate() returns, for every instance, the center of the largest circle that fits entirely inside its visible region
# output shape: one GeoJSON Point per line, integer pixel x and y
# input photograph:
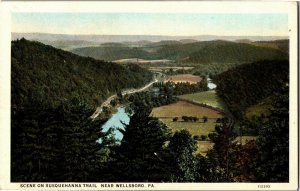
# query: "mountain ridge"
{"type": "Point", "coordinates": [196, 52]}
{"type": "Point", "coordinates": [134, 38]}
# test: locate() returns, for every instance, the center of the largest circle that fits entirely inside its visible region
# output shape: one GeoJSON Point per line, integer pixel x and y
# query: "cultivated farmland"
{"type": "Point", "coordinates": [195, 128]}
{"type": "Point", "coordinates": [140, 61]}
{"type": "Point", "coordinates": [167, 68]}
{"type": "Point", "coordinates": [183, 108]}
{"type": "Point", "coordinates": [184, 78]}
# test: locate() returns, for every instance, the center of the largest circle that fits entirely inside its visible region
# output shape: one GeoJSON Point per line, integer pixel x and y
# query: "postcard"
{"type": "Point", "coordinates": [140, 95]}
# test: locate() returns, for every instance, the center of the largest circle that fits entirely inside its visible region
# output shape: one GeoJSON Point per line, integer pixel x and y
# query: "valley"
{"type": "Point", "coordinates": [217, 94]}
{"type": "Point", "coordinates": [205, 108]}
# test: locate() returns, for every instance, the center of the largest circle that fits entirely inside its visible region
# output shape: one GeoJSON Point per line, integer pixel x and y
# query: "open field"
{"type": "Point", "coordinates": [184, 78]}
{"type": "Point", "coordinates": [140, 61]}
{"type": "Point", "coordinates": [207, 97]}
{"type": "Point", "coordinates": [261, 108]}
{"type": "Point", "coordinates": [195, 128]}
{"type": "Point", "coordinates": [182, 108]}
{"type": "Point", "coordinates": [167, 68]}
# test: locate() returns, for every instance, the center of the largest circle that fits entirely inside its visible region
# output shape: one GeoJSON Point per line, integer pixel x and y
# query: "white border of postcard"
{"type": "Point", "coordinates": [7, 8]}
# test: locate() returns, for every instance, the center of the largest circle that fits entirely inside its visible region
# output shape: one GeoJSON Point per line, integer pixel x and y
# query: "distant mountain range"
{"type": "Point", "coordinates": [216, 51]}
{"type": "Point", "coordinates": [135, 38]}
{"type": "Point", "coordinates": [190, 49]}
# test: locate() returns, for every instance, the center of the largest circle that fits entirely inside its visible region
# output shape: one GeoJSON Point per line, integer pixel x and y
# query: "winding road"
{"type": "Point", "coordinates": [108, 100]}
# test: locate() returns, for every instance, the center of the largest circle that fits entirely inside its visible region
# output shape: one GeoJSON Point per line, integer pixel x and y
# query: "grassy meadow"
{"type": "Point", "coordinates": [207, 97]}
{"type": "Point", "coordinates": [262, 107]}
{"type": "Point", "coordinates": [195, 128]}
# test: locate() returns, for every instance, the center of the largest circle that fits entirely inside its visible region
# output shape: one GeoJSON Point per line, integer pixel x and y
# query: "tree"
{"type": "Point", "coordinates": [273, 142]}
{"type": "Point", "coordinates": [223, 147]}
{"type": "Point", "coordinates": [195, 119]}
{"type": "Point", "coordinates": [34, 151]}
{"type": "Point", "coordinates": [245, 156]}
{"type": "Point", "coordinates": [82, 156]}
{"type": "Point", "coordinates": [208, 169]}
{"type": "Point", "coordinates": [141, 155]}
{"type": "Point", "coordinates": [203, 137]}
{"type": "Point", "coordinates": [185, 118]}
{"type": "Point", "coordinates": [119, 94]}
{"type": "Point", "coordinates": [56, 143]}
{"type": "Point", "coordinates": [205, 119]}
{"type": "Point", "coordinates": [218, 120]}
{"type": "Point", "coordinates": [182, 146]}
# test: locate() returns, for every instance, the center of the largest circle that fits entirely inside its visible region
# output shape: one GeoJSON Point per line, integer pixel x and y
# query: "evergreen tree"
{"type": "Point", "coordinates": [182, 146]}
{"type": "Point", "coordinates": [82, 156]}
{"type": "Point", "coordinates": [34, 144]}
{"type": "Point", "coordinates": [224, 147]}
{"type": "Point", "coordinates": [273, 142]}
{"type": "Point", "coordinates": [56, 144]}
{"type": "Point", "coordinates": [208, 169]}
{"type": "Point", "coordinates": [141, 155]}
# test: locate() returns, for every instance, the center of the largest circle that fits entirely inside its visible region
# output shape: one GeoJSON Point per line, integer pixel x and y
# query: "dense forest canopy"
{"type": "Point", "coordinates": [43, 72]}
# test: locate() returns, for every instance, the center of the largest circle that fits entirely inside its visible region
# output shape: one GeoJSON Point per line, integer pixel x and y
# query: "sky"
{"type": "Point", "coordinates": [173, 24]}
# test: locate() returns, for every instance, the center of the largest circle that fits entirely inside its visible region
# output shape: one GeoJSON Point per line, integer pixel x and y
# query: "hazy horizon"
{"type": "Point", "coordinates": [46, 33]}
{"type": "Point", "coordinates": [156, 24]}
{"type": "Point", "coordinates": [44, 37]}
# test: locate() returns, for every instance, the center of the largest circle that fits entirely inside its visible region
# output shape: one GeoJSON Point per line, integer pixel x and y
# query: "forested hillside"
{"type": "Point", "coordinates": [112, 52]}
{"type": "Point", "coordinates": [222, 51]}
{"type": "Point", "coordinates": [54, 93]}
{"type": "Point", "coordinates": [217, 51]}
{"type": "Point", "coordinates": [282, 45]}
{"type": "Point", "coordinates": [45, 73]}
{"type": "Point", "coordinates": [248, 84]}
{"type": "Point", "coordinates": [263, 83]}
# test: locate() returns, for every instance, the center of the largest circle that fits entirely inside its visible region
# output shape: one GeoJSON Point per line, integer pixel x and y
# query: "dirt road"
{"type": "Point", "coordinates": [126, 92]}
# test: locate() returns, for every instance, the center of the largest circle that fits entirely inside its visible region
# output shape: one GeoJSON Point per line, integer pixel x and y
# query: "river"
{"type": "Point", "coordinates": [210, 84]}
{"type": "Point", "coordinates": [115, 122]}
